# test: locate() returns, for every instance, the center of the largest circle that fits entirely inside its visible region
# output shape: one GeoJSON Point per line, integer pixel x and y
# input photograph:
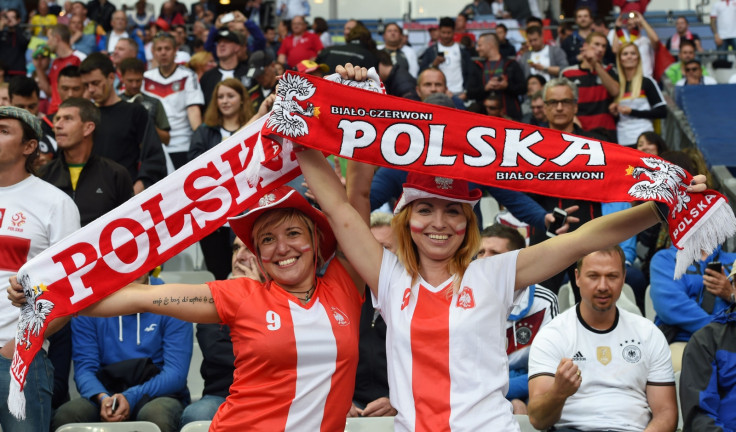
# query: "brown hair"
{"type": "Point", "coordinates": [611, 251]}
{"type": "Point", "coordinates": [406, 249]}
{"type": "Point", "coordinates": [213, 116]}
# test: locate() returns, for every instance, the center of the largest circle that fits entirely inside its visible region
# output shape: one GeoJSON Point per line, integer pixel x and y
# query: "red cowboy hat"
{"type": "Point", "coordinates": [284, 197]}
{"type": "Point", "coordinates": [427, 186]}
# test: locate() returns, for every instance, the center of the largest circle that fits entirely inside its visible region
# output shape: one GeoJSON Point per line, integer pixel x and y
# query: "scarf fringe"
{"type": "Point", "coordinates": [252, 171]}
{"type": "Point", "coordinates": [716, 226]}
{"type": "Point", "coordinates": [16, 400]}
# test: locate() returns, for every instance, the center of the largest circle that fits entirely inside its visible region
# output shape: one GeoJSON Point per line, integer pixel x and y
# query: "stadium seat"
{"type": "Point", "coordinates": [187, 277]}
{"type": "Point", "coordinates": [110, 427]}
{"type": "Point", "coordinates": [649, 305]}
{"type": "Point", "coordinates": [524, 423]}
{"type": "Point", "coordinates": [369, 424]}
{"type": "Point", "coordinates": [198, 426]}
{"type": "Point", "coordinates": [195, 383]}
{"type": "Point", "coordinates": [565, 298]}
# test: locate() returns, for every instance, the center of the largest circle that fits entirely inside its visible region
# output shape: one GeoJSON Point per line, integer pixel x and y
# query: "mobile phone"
{"type": "Point", "coordinates": [441, 53]}
{"type": "Point", "coordinates": [228, 17]}
{"type": "Point", "coordinates": [114, 404]}
{"type": "Point", "coordinates": [715, 266]}
{"type": "Point", "coordinates": [560, 218]}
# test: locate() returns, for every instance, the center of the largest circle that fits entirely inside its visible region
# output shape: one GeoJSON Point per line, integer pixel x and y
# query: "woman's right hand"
{"type": "Point", "coordinates": [350, 72]}
{"type": "Point", "coordinates": [15, 292]}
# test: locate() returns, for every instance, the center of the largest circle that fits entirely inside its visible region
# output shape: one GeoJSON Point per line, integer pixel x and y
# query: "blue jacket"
{"type": "Point", "coordinates": [97, 342]}
{"type": "Point", "coordinates": [708, 380]}
{"type": "Point", "coordinates": [677, 301]}
{"type": "Point", "coordinates": [102, 45]}
{"type": "Point", "coordinates": [387, 185]}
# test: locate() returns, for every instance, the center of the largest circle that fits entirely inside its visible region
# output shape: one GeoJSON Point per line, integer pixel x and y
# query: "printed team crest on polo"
{"type": "Point", "coordinates": [443, 183]}
{"type": "Point", "coordinates": [33, 314]}
{"type": "Point", "coordinates": [603, 354]}
{"type": "Point", "coordinates": [287, 116]}
{"type": "Point", "coordinates": [665, 182]}
{"type": "Point", "coordinates": [465, 298]}
{"type": "Point", "coordinates": [266, 200]}
{"type": "Point", "coordinates": [340, 317]}
{"type": "Point", "coordinates": [631, 352]}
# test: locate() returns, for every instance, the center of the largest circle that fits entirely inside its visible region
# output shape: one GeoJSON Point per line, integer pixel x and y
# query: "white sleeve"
{"type": "Point", "coordinates": [660, 362]}
{"type": "Point", "coordinates": [63, 219]}
{"type": "Point", "coordinates": [545, 353]}
{"type": "Point", "coordinates": [499, 271]}
{"type": "Point", "coordinates": [391, 271]}
{"type": "Point", "coordinates": [411, 58]}
{"type": "Point", "coordinates": [194, 91]}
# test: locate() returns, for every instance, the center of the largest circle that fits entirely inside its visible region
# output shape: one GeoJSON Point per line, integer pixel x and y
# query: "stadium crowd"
{"type": "Point", "coordinates": [97, 104]}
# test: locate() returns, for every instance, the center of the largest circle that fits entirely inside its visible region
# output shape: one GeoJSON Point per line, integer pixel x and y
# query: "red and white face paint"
{"type": "Point", "coordinates": [437, 227]}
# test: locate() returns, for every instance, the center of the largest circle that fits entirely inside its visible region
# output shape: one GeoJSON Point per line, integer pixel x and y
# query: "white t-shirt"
{"type": "Point", "coordinates": [177, 92]}
{"type": "Point", "coordinates": [541, 57]}
{"type": "Point", "coordinates": [447, 364]}
{"type": "Point", "coordinates": [706, 80]}
{"type": "Point", "coordinates": [725, 14]}
{"type": "Point", "coordinates": [33, 216]}
{"type": "Point", "coordinates": [452, 67]}
{"type": "Point", "coordinates": [616, 367]}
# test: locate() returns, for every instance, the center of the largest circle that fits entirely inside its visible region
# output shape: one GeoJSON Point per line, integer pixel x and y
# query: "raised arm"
{"type": "Point", "coordinates": [353, 235]}
{"type": "Point", "coordinates": [193, 303]}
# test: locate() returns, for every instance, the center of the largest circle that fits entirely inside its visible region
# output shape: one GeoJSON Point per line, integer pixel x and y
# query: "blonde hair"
{"type": "Point", "coordinates": [636, 80]}
{"type": "Point", "coordinates": [199, 60]}
{"type": "Point", "coordinates": [276, 217]}
{"type": "Point", "coordinates": [406, 249]}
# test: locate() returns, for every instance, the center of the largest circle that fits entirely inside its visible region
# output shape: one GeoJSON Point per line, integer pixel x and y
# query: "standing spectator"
{"type": "Point", "coordinates": [707, 387]}
{"type": "Point", "coordinates": [101, 12]}
{"type": "Point", "coordinates": [84, 43]}
{"type": "Point", "coordinates": [683, 33]}
{"type": "Point", "coordinates": [534, 308]}
{"type": "Point", "coordinates": [541, 58]}
{"type": "Point", "coordinates": [433, 81]}
{"type": "Point", "coordinates": [573, 44]}
{"type": "Point", "coordinates": [179, 91]}
{"type": "Point", "coordinates": [505, 47]}
{"type": "Point", "coordinates": [397, 80]}
{"type": "Point", "coordinates": [647, 43]}
{"type": "Point", "coordinates": [58, 40]}
{"type": "Point", "coordinates": [639, 101]}
{"type": "Point", "coordinates": [42, 20]}
{"type": "Point", "coordinates": [131, 73]}
{"type": "Point", "coordinates": [262, 70]}
{"type": "Point", "coordinates": [501, 76]}
{"type": "Point", "coordinates": [17, 5]}
{"type": "Point", "coordinates": [227, 112]}
{"type": "Point", "coordinates": [321, 29]}
{"type": "Point", "coordinates": [401, 54]}
{"type": "Point", "coordinates": [600, 84]}
{"type": "Point", "coordinates": [141, 15]}
{"type": "Point", "coordinates": [534, 84]}
{"type": "Point", "coordinates": [461, 31]}
{"type": "Point", "coordinates": [260, 12]}
{"type": "Point", "coordinates": [694, 75]}
{"type": "Point", "coordinates": [118, 31]}
{"type": "Point", "coordinates": [39, 215]}
{"type": "Point", "coordinates": [126, 135]}
{"type": "Point", "coordinates": [358, 50]}
{"type": "Point", "coordinates": [173, 12]}
{"type": "Point", "coordinates": [229, 44]}
{"type": "Point", "coordinates": [69, 86]}
{"type": "Point", "coordinates": [80, 10]}
{"type": "Point", "coordinates": [477, 7]}
{"type": "Point", "coordinates": [299, 45]}
{"type": "Point", "coordinates": [13, 44]}
{"type": "Point", "coordinates": [723, 24]}
{"type": "Point", "coordinates": [452, 59]}
{"type": "Point", "coordinates": [287, 10]}
{"type": "Point", "coordinates": [676, 71]}
{"type": "Point", "coordinates": [596, 352]}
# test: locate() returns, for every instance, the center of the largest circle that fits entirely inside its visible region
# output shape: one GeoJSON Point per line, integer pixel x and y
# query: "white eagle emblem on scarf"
{"type": "Point", "coordinates": [32, 314]}
{"type": "Point", "coordinates": [665, 182]}
{"type": "Point", "coordinates": [287, 116]}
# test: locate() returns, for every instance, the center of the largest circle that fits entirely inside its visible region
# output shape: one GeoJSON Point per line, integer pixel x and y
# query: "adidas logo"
{"type": "Point", "coordinates": [578, 357]}
{"type": "Point", "coordinates": [99, 191]}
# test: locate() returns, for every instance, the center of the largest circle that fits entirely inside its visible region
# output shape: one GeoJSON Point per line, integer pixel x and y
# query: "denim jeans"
{"type": "Point", "coordinates": [202, 410]}
{"type": "Point", "coordinates": [163, 411]}
{"type": "Point", "coordinates": [38, 391]}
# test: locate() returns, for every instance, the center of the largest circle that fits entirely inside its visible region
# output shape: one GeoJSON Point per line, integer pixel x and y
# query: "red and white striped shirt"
{"type": "Point", "coordinates": [447, 364]}
{"type": "Point", "coordinates": [294, 364]}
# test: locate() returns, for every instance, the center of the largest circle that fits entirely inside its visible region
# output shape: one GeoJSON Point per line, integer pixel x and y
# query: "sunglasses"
{"type": "Point", "coordinates": [692, 69]}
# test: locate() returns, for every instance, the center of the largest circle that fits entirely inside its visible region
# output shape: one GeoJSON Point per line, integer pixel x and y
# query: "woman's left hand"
{"type": "Point", "coordinates": [698, 184]}
{"type": "Point", "coordinates": [355, 73]}
{"type": "Point", "coordinates": [623, 109]}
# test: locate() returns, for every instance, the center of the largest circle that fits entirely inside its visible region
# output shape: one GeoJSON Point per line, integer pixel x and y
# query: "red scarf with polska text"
{"type": "Point", "coordinates": [382, 130]}
{"type": "Point", "coordinates": [139, 235]}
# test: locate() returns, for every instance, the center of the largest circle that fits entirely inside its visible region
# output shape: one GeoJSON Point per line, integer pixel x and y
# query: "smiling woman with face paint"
{"type": "Point", "coordinates": [295, 336]}
{"type": "Point", "coordinates": [445, 315]}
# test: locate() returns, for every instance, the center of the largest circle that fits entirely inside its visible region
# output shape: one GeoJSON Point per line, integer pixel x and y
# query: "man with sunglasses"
{"type": "Point", "coordinates": [694, 75]}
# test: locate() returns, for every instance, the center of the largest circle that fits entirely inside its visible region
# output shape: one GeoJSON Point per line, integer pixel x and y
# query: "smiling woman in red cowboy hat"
{"type": "Point", "coordinates": [295, 336]}
{"type": "Point", "coordinates": [446, 315]}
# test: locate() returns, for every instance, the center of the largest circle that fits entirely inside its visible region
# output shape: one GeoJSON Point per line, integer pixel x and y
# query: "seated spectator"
{"type": "Point", "coordinates": [639, 100]}
{"type": "Point", "coordinates": [537, 116]}
{"type": "Point", "coordinates": [396, 79]}
{"type": "Point", "coordinates": [141, 15]}
{"type": "Point", "coordinates": [541, 58]}
{"type": "Point", "coordinates": [370, 398]}
{"type": "Point", "coordinates": [683, 33]}
{"type": "Point", "coordinates": [131, 367]}
{"type": "Point", "coordinates": [400, 53]}
{"type": "Point", "coordinates": [79, 9]}
{"type": "Point", "coordinates": [453, 60]}
{"type": "Point", "coordinates": [676, 71]}
{"type": "Point", "coordinates": [84, 43]}
{"type": "Point", "coordinates": [533, 308]}
{"type": "Point", "coordinates": [687, 304]}
{"type": "Point", "coordinates": [694, 75]}
{"type": "Point", "coordinates": [493, 106]}
{"type": "Point", "coordinates": [300, 45]}
{"type": "Point", "coordinates": [173, 13]}
{"type": "Point", "coordinates": [707, 387]}
{"type": "Point", "coordinates": [595, 353]}
{"type": "Point", "coordinates": [227, 112]}
{"type": "Point", "coordinates": [218, 360]}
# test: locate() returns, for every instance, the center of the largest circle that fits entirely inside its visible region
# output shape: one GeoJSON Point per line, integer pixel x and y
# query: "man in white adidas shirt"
{"type": "Point", "coordinates": [596, 367]}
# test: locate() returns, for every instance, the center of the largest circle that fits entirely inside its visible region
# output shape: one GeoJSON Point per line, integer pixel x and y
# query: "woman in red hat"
{"type": "Point", "coordinates": [445, 313]}
{"type": "Point", "coordinates": [295, 336]}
